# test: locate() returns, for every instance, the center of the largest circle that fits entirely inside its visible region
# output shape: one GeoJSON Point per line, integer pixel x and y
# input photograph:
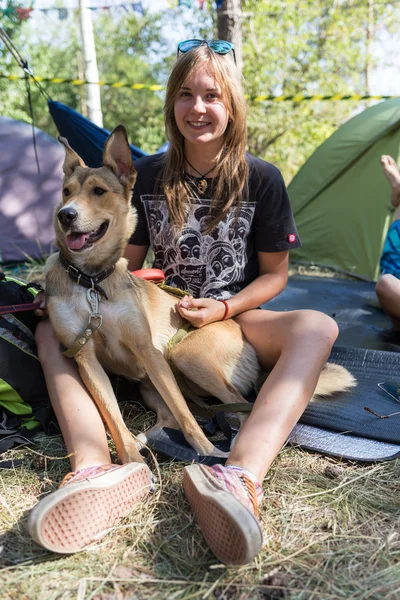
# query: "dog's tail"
{"type": "Point", "coordinates": [334, 379]}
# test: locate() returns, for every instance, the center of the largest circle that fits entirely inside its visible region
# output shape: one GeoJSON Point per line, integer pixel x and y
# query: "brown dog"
{"type": "Point", "coordinates": [112, 321]}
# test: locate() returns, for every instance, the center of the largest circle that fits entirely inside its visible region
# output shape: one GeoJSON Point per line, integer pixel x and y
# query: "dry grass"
{"type": "Point", "coordinates": [331, 532]}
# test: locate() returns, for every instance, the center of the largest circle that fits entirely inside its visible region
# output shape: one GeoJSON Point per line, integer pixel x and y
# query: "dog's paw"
{"type": "Point", "coordinates": [218, 453]}
{"type": "Point", "coordinates": [141, 441]}
{"type": "Point", "coordinates": [233, 440]}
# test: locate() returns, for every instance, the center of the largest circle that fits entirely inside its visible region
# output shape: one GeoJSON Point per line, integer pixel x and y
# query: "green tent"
{"type": "Point", "coordinates": [340, 197]}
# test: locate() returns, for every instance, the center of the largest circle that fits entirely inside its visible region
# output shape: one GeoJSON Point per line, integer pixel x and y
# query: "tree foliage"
{"type": "Point", "coordinates": [289, 47]}
{"type": "Point", "coordinates": [309, 47]}
{"type": "Point", "coordinates": [128, 49]}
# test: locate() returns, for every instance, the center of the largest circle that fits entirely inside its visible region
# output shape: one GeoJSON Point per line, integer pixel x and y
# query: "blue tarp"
{"type": "Point", "coordinates": [86, 138]}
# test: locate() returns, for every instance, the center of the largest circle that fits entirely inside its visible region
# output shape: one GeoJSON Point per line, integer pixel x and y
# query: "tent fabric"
{"type": "Point", "coordinates": [27, 198]}
{"type": "Point", "coordinates": [340, 197]}
{"type": "Point", "coordinates": [86, 138]}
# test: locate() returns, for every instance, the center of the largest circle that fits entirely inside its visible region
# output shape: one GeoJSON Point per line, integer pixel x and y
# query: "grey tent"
{"type": "Point", "coordinates": [27, 198]}
{"type": "Point", "coordinates": [340, 197]}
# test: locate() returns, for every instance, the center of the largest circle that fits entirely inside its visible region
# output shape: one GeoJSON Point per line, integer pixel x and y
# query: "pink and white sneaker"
{"type": "Point", "coordinates": [225, 503]}
{"type": "Point", "coordinates": [88, 503]}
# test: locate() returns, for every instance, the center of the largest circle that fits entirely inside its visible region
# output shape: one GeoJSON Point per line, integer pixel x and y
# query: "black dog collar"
{"type": "Point", "coordinates": [88, 281]}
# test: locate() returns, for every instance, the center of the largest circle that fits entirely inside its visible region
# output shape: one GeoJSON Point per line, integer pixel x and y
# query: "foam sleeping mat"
{"type": "Point", "coordinates": [342, 445]}
{"type": "Point", "coordinates": [369, 348]}
{"type": "Point", "coordinates": [346, 412]}
{"type": "Point", "coordinates": [346, 300]}
{"type": "Point", "coordinates": [353, 305]}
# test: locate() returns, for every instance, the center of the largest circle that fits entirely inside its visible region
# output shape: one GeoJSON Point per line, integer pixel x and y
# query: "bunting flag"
{"type": "Point", "coordinates": [138, 7]}
{"type": "Point", "coordinates": [24, 13]}
{"type": "Point", "coordinates": [154, 87]}
{"type": "Point", "coordinates": [187, 3]}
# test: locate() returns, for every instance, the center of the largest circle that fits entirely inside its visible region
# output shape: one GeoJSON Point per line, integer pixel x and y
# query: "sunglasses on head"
{"type": "Point", "coordinates": [218, 46]}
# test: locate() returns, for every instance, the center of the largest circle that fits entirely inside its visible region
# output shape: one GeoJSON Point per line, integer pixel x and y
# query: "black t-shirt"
{"type": "Point", "coordinates": [223, 262]}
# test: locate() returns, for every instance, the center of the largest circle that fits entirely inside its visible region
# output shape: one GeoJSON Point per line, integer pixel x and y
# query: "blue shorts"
{"type": "Point", "coordinates": [390, 259]}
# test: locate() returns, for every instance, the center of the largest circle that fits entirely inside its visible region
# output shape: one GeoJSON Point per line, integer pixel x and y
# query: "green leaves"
{"type": "Point", "coordinates": [289, 47]}
{"type": "Point", "coordinates": [310, 47]}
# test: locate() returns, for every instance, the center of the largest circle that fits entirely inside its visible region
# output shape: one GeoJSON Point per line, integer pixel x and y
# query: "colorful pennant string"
{"type": "Point", "coordinates": [24, 13]}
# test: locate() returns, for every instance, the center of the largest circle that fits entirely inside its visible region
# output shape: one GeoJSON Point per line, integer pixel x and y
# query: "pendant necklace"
{"type": "Point", "coordinates": [202, 184]}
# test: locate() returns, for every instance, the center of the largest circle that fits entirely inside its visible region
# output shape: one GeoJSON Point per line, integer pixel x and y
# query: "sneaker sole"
{"type": "Point", "coordinates": [230, 529]}
{"type": "Point", "coordinates": [78, 514]}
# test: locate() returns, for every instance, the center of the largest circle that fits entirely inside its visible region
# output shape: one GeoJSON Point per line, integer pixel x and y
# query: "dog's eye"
{"type": "Point", "coordinates": [66, 192]}
{"type": "Point", "coordinates": [99, 191]}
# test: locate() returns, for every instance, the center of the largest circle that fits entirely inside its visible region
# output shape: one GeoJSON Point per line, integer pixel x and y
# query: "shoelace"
{"type": "Point", "coordinates": [86, 473]}
{"type": "Point", "coordinates": [250, 487]}
{"type": "Point", "coordinates": [251, 491]}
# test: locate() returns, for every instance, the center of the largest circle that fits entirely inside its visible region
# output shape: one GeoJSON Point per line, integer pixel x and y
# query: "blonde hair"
{"type": "Point", "coordinates": [231, 169]}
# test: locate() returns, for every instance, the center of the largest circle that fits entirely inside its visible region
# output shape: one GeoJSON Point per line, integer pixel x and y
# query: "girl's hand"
{"type": "Point", "coordinates": [200, 311]}
{"type": "Point", "coordinates": [41, 311]}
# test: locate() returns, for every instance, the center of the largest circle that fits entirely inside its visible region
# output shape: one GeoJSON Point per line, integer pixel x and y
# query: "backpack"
{"type": "Point", "coordinates": [24, 402]}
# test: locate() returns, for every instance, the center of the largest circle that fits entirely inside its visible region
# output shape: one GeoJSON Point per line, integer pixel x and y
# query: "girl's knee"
{"type": "Point", "coordinates": [385, 285]}
{"type": "Point", "coordinates": [317, 327]}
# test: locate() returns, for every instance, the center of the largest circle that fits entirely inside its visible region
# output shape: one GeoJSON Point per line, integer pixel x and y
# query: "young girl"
{"type": "Point", "coordinates": [220, 224]}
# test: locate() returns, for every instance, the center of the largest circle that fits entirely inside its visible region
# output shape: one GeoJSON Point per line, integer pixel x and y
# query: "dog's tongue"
{"type": "Point", "coordinates": [75, 241]}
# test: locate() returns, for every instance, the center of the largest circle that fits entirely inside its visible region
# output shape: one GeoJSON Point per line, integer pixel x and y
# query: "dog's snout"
{"type": "Point", "coordinates": [67, 215]}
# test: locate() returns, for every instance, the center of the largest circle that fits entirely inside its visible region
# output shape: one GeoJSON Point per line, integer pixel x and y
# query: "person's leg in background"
{"type": "Point", "coordinates": [97, 493]}
{"type": "Point", "coordinates": [392, 174]}
{"type": "Point", "coordinates": [388, 293]}
{"type": "Point", "coordinates": [388, 285]}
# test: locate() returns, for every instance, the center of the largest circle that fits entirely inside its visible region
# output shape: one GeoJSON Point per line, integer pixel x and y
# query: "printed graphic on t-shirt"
{"type": "Point", "coordinates": [206, 265]}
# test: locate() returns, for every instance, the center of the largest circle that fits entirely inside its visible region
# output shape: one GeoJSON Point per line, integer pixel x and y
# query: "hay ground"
{"type": "Point", "coordinates": [331, 529]}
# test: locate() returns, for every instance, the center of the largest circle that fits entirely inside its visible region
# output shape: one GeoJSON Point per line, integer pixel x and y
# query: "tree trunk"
{"type": "Point", "coordinates": [229, 23]}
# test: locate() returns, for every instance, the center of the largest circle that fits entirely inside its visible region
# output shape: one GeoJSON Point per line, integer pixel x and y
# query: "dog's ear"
{"type": "Point", "coordinates": [118, 156]}
{"type": "Point", "coordinates": [72, 159]}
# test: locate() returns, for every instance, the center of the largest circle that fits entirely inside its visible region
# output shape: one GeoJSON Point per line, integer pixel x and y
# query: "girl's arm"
{"type": "Point", "coordinates": [271, 281]}
{"type": "Point", "coordinates": [135, 256]}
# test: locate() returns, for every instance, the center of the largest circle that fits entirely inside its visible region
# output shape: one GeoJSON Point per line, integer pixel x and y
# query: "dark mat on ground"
{"type": "Point", "coordinates": [352, 303]}
{"type": "Point", "coordinates": [172, 444]}
{"type": "Point", "coordinates": [368, 337]}
{"type": "Point", "coordinates": [345, 412]}
{"type": "Point", "coordinates": [347, 300]}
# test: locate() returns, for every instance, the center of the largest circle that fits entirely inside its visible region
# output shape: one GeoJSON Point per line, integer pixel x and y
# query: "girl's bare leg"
{"type": "Point", "coordinates": [388, 287]}
{"type": "Point", "coordinates": [225, 500]}
{"type": "Point", "coordinates": [298, 343]}
{"type": "Point", "coordinates": [388, 293]}
{"type": "Point", "coordinates": [392, 174]}
{"type": "Point", "coordinates": [80, 422]}
{"type": "Point", "coordinates": [93, 498]}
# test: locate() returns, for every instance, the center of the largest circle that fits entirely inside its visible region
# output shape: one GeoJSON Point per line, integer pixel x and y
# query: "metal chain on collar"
{"type": "Point", "coordinates": [95, 322]}
{"type": "Point", "coordinates": [94, 299]}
